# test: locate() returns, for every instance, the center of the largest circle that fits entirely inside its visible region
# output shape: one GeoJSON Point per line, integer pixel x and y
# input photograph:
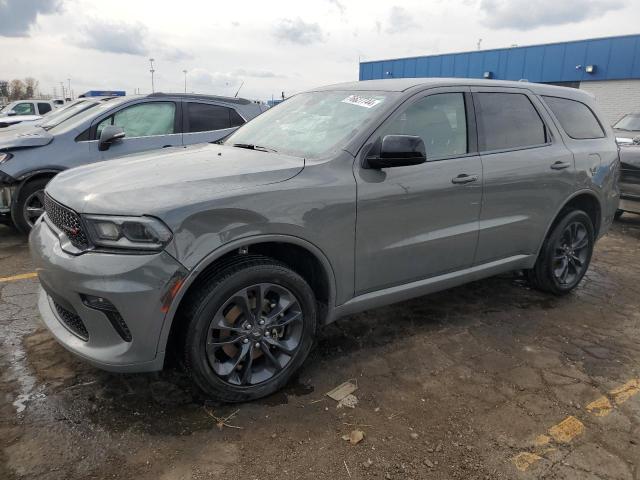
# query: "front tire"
{"type": "Point", "coordinates": [250, 328]}
{"type": "Point", "coordinates": [28, 206]}
{"type": "Point", "coordinates": [565, 255]}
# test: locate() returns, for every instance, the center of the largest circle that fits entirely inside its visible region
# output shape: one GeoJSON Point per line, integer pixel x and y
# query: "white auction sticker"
{"type": "Point", "coordinates": [365, 102]}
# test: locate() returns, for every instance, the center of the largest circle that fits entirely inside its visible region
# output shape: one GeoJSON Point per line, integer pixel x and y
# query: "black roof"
{"type": "Point", "coordinates": [197, 96]}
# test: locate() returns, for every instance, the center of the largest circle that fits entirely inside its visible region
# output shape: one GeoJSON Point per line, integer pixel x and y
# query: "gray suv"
{"type": "Point", "coordinates": [338, 200]}
{"type": "Point", "coordinates": [102, 129]}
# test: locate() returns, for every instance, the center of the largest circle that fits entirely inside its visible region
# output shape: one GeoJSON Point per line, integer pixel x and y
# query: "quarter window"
{"type": "Point", "coordinates": [440, 120]}
{"type": "Point", "coordinates": [24, 109]}
{"type": "Point", "coordinates": [143, 119]}
{"type": "Point", "coordinates": [507, 121]}
{"type": "Point", "coordinates": [203, 117]}
{"type": "Point", "coordinates": [575, 117]}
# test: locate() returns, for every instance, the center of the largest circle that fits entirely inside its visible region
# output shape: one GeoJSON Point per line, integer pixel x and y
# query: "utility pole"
{"type": "Point", "coordinates": [151, 60]}
{"type": "Point", "coordinates": [69, 91]}
{"type": "Point", "coordinates": [63, 92]}
{"type": "Point", "coordinates": [185, 80]}
{"type": "Point", "coordinates": [479, 43]}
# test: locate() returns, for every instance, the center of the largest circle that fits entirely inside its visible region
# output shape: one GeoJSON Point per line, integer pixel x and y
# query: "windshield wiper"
{"type": "Point", "coordinates": [251, 146]}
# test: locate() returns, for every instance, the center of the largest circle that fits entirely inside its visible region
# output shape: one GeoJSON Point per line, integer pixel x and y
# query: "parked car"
{"type": "Point", "coordinates": [27, 107]}
{"type": "Point", "coordinates": [629, 180]}
{"type": "Point", "coordinates": [10, 121]}
{"type": "Point", "coordinates": [627, 129]}
{"type": "Point", "coordinates": [116, 127]}
{"type": "Point", "coordinates": [234, 255]}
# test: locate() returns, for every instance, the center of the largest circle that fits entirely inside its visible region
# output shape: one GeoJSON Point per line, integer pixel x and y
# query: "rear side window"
{"type": "Point", "coordinates": [575, 117]}
{"type": "Point", "coordinates": [508, 121]}
{"type": "Point", "coordinates": [44, 108]}
{"type": "Point", "coordinates": [203, 117]}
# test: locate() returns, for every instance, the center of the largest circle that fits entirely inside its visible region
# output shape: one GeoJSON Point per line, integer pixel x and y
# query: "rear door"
{"type": "Point", "coordinates": [147, 126]}
{"type": "Point", "coordinates": [420, 221]}
{"type": "Point", "coordinates": [208, 122]}
{"type": "Point", "coordinates": [528, 172]}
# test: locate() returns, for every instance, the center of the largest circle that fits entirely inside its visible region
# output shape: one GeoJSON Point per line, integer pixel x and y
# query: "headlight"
{"type": "Point", "coordinates": [129, 233]}
{"type": "Point", "coordinates": [4, 156]}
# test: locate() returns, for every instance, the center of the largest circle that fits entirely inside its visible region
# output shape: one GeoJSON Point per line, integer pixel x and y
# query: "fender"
{"type": "Point", "coordinates": [557, 212]}
{"type": "Point", "coordinates": [229, 247]}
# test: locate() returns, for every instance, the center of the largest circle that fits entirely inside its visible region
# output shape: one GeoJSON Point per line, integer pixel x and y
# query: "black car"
{"type": "Point", "coordinates": [627, 129]}
{"type": "Point", "coordinates": [629, 179]}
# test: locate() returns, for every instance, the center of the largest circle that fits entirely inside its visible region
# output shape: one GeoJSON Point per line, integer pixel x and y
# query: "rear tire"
{"type": "Point", "coordinates": [236, 348]}
{"type": "Point", "coordinates": [565, 254]}
{"type": "Point", "coordinates": [28, 206]}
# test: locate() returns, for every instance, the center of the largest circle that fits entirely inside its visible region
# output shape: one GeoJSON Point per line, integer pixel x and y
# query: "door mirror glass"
{"type": "Point", "coordinates": [399, 151]}
{"type": "Point", "coordinates": [109, 135]}
{"type": "Point", "coordinates": [11, 113]}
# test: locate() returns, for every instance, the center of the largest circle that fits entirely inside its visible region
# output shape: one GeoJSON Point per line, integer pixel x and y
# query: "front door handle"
{"type": "Point", "coordinates": [560, 165]}
{"type": "Point", "coordinates": [464, 178]}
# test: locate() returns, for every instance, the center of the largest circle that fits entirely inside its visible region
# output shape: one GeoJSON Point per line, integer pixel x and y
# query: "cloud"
{"type": "Point", "coordinates": [115, 37]}
{"type": "Point", "coordinates": [400, 20]}
{"type": "Point", "coordinates": [17, 16]}
{"type": "Point", "coordinates": [339, 5]}
{"type": "Point", "coordinates": [206, 80]}
{"type": "Point", "coordinates": [241, 72]}
{"type": "Point", "coordinates": [297, 31]}
{"type": "Point", "coordinates": [172, 54]}
{"type": "Point", "coordinates": [527, 15]}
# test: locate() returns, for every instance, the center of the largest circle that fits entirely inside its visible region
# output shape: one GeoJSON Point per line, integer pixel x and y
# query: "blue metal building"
{"type": "Point", "coordinates": [608, 67]}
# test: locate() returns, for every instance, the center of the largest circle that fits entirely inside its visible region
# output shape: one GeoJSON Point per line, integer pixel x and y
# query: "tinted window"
{"type": "Point", "coordinates": [575, 117]}
{"type": "Point", "coordinates": [143, 119]}
{"type": "Point", "coordinates": [440, 120]}
{"type": "Point", "coordinates": [44, 108]}
{"type": "Point", "coordinates": [507, 121]}
{"type": "Point", "coordinates": [203, 117]}
{"type": "Point", "coordinates": [24, 109]}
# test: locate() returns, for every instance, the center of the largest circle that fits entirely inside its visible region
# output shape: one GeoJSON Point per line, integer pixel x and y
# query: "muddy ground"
{"type": "Point", "coordinates": [492, 380]}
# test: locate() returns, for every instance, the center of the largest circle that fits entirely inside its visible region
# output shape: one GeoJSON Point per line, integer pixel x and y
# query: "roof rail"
{"type": "Point", "coordinates": [197, 96]}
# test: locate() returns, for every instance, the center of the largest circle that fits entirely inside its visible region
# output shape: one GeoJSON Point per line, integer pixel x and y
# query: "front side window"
{"type": "Point", "coordinates": [575, 117]}
{"type": "Point", "coordinates": [143, 119]}
{"type": "Point", "coordinates": [24, 109]}
{"type": "Point", "coordinates": [202, 117]}
{"type": "Point", "coordinates": [313, 124]}
{"type": "Point", "coordinates": [507, 121]}
{"type": "Point", "coordinates": [629, 122]}
{"type": "Point", "coordinates": [44, 108]}
{"type": "Point", "coordinates": [440, 120]}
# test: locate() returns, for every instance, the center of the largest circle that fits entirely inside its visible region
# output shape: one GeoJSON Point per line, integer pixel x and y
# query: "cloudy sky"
{"type": "Point", "coordinates": [272, 46]}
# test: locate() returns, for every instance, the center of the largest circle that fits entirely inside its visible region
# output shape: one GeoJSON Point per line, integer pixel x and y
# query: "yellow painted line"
{"type": "Point", "coordinates": [524, 460]}
{"type": "Point", "coordinates": [626, 391]}
{"type": "Point", "coordinates": [22, 276]}
{"type": "Point", "coordinates": [567, 430]}
{"type": "Point", "coordinates": [600, 407]}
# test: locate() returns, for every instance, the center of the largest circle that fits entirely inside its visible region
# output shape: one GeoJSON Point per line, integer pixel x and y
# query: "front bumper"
{"type": "Point", "coordinates": [137, 285]}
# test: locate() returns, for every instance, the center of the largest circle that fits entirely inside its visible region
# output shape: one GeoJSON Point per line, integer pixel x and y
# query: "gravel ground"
{"type": "Point", "coordinates": [492, 380]}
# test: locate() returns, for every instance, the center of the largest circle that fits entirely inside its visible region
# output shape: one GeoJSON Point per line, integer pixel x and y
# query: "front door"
{"type": "Point", "coordinates": [420, 221]}
{"type": "Point", "coordinates": [147, 126]}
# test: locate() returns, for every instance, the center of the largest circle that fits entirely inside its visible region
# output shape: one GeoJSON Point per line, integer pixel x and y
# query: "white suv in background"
{"type": "Point", "coordinates": [28, 107]}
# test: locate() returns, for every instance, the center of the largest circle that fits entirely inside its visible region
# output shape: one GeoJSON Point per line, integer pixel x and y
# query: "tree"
{"type": "Point", "coordinates": [4, 88]}
{"type": "Point", "coordinates": [17, 89]}
{"type": "Point", "coordinates": [31, 87]}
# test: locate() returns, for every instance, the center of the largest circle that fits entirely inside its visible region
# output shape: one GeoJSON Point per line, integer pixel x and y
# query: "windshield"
{"type": "Point", "coordinates": [311, 124]}
{"type": "Point", "coordinates": [629, 122]}
{"type": "Point", "coordinates": [65, 113]}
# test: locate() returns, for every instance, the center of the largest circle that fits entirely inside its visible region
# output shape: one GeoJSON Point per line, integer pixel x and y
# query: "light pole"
{"type": "Point", "coordinates": [185, 80]}
{"type": "Point", "coordinates": [69, 90]}
{"type": "Point", "coordinates": [151, 60]}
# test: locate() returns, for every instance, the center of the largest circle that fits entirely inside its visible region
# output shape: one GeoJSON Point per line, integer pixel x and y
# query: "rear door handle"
{"type": "Point", "coordinates": [560, 165]}
{"type": "Point", "coordinates": [464, 178]}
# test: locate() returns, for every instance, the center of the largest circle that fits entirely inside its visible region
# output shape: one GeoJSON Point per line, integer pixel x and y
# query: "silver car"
{"type": "Point", "coordinates": [338, 200]}
{"type": "Point", "coordinates": [99, 129]}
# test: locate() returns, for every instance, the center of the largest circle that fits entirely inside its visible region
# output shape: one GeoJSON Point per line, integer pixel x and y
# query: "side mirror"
{"type": "Point", "coordinates": [399, 151]}
{"type": "Point", "coordinates": [11, 113]}
{"type": "Point", "coordinates": [109, 135]}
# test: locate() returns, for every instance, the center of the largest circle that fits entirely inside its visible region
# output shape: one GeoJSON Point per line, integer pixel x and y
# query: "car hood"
{"type": "Point", "coordinates": [27, 137]}
{"type": "Point", "coordinates": [155, 182]}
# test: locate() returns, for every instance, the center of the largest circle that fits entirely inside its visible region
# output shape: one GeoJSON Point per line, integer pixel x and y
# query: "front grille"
{"type": "Point", "coordinates": [72, 321]}
{"type": "Point", "coordinates": [68, 221]}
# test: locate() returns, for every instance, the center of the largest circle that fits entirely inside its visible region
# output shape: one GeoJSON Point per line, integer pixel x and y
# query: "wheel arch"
{"type": "Point", "coordinates": [300, 255]}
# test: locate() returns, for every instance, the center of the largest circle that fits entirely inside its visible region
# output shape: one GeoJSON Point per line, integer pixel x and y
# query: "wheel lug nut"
{"type": "Point", "coordinates": [257, 345]}
{"type": "Point", "coordinates": [266, 334]}
{"type": "Point", "coordinates": [261, 322]}
{"type": "Point", "coordinates": [248, 327]}
{"type": "Point", "coordinates": [246, 340]}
